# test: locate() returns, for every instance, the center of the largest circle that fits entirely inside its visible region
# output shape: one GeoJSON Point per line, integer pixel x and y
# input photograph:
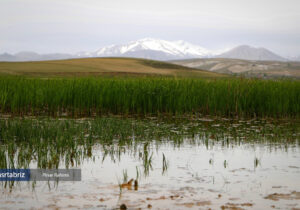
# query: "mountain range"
{"type": "Point", "coordinates": [32, 56]}
{"type": "Point", "coordinates": [155, 49]}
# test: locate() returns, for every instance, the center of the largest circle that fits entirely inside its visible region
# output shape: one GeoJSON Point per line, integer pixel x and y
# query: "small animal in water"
{"type": "Point", "coordinates": [127, 185]}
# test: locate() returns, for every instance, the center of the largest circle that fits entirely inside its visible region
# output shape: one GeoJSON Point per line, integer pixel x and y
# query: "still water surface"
{"type": "Point", "coordinates": [197, 164]}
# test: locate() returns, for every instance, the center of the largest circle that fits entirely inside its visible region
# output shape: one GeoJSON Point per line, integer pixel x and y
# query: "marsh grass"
{"type": "Point", "coordinates": [256, 162]}
{"type": "Point", "coordinates": [125, 176]}
{"type": "Point", "coordinates": [53, 143]}
{"type": "Point", "coordinates": [148, 96]}
{"type": "Point", "coordinates": [50, 142]}
{"type": "Point", "coordinates": [165, 164]}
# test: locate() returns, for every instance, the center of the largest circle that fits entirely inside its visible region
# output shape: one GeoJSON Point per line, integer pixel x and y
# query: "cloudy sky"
{"type": "Point", "coordinates": [69, 26]}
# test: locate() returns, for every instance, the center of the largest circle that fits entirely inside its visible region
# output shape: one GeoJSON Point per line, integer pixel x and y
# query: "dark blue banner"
{"type": "Point", "coordinates": [14, 174]}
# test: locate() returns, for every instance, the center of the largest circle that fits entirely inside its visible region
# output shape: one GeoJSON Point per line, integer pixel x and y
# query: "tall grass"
{"type": "Point", "coordinates": [90, 96]}
{"type": "Point", "coordinates": [51, 143]}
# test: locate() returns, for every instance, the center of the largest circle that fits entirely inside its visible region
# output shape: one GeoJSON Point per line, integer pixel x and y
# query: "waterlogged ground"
{"type": "Point", "coordinates": [200, 163]}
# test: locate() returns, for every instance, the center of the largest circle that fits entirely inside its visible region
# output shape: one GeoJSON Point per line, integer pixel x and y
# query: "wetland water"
{"type": "Point", "coordinates": [179, 163]}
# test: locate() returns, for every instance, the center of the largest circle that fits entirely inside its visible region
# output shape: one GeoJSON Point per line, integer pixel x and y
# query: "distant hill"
{"type": "Point", "coordinates": [265, 69]}
{"type": "Point", "coordinates": [102, 67]}
{"type": "Point", "coordinates": [246, 52]}
{"type": "Point", "coordinates": [7, 57]}
{"type": "Point", "coordinates": [294, 58]}
{"type": "Point", "coordinates": [32, 56]}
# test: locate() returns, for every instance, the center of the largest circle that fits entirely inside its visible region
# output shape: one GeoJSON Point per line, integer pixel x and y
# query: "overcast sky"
{"type": "Point", "coordinates": [69, 26]}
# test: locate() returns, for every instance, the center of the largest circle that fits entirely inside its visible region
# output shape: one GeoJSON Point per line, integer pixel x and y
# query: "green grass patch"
{"type": "Point", "coordinates": [143, 96]}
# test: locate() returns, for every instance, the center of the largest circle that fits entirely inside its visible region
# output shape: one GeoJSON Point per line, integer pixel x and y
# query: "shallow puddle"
{"type": "Point", "coordinates": [191, 164]}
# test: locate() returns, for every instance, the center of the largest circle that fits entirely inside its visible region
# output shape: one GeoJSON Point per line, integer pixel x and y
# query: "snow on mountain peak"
{"type": "Point", "coordinates": [180, 48]}
{"type": "Point", "coordinates": [153, 49]}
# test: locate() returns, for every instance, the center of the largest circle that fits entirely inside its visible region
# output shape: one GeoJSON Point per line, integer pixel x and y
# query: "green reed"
{"type": "Point", "coordinates": [54, 143]}
{"type": "Point", "coordinates": [165, 164]}
{"type": "Point", "coordinates": [48, 143]}
{"type": "Point", "coordinates": [97, 96]}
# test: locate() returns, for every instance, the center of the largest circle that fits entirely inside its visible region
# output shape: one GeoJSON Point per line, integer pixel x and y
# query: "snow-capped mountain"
{"type": "Point", "coordinates": [156, 49]}
{"type": "Point", "coordinates": [153, 49]}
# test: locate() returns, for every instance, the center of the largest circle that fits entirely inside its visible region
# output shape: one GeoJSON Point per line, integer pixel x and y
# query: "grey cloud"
{"type": "Point", "coordinates": [69, 26]}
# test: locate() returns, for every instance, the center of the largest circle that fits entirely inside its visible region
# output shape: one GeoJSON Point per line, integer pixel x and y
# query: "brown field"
{"type": "Point", "coordinates": [101, 67]}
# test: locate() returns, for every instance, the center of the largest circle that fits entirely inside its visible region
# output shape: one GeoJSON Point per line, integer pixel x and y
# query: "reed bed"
{"type": "Point", "coordinates": [66, 143]}
{"type": "Point", "coordinates": [97, 96]}
{"type": "Point", "coordinates": [53, 142]}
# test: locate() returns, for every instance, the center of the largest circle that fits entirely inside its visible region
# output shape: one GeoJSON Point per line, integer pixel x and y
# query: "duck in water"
{"type": "Point", "coordinates": [127, 185]}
